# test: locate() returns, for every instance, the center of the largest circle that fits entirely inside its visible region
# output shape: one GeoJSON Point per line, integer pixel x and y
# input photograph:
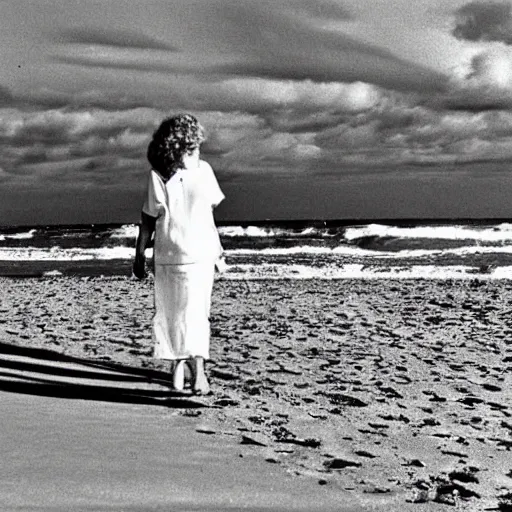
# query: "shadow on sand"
{"type": "Point", "coordinates": [44, 372]}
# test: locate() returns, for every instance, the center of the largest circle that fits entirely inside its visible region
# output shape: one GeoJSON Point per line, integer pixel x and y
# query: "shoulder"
{"type": "Point", "coordinates": [155, 177]}
{"type": "Point", "coordinates": [154, 174]}
{"type": "Point", "coordinates": [203, 164]}
{"type": "Point", "coordinates": [206, 169]}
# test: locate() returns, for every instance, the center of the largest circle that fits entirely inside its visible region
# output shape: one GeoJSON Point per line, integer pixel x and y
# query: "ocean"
{"type": "Point", "coordinates": [281, 250]}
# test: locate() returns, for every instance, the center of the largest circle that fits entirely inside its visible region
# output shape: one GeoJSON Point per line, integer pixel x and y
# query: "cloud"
{"type": "Point", "coordinates": [123, 60]}
{"type": "Point", "coordinates": [492, 69]}
{"type": "Point", "coordinates": [278, 92]}
{"type": "Point", "coordinates": [44, 99]}
{"type": "Point", "coordinates": [348, 137]}
{"type": "Point", "coordinates": [262, 94]}
{"type": "Point", "coordinates": [225, 130]}
{"type": "Point", "coordinates": [245, 143]}
{"type": "Point", "coordinates": [128, 39]}
{"type": "Point", "coordinates": [51, 99]}
{"type": "Point", "coordinates": [287, 105]}
{"type": "Point", "coordinates": [320, 9]}
{"type": "Point", "coordinates": [486, 86]}
{"type": "Point", "coordinates": [6, 97]}
{"type": "Point", "coordinates": [266, 152]}
{"type": "Point", "coordinates": [98, 147]}
{"type": "Point", "coordinates": [484, 21]}
{"type": "Point", "coordinates": [98, 47]}
{"type": "Point", "coordinates": [284, 40]}
{"type": "Point", "coordinates": [62, 142]}
{"type": "Point", "coordinates": [280, 44]}
{"type": "Point", "coordinates": [61, 126]}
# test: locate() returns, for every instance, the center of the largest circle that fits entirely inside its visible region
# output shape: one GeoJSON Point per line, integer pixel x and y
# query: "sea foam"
{"type": "Point", "coordinates": [73, 254]}
{"type": "Point", "coordinates": [126, 231]}
{"type": "Point", "coordinates": [359, 271]}
{"type": "Point", "coordinates": [501, 232]}
{"type": "Point", "coordinates": [19, 236]}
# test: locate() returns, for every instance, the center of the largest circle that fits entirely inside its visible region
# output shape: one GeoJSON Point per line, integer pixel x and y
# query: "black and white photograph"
{"type": "Point", "coordinates": [255, 255]}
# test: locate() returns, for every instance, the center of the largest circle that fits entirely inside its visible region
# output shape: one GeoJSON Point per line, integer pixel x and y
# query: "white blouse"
{"type": "Point", "coordinates": [185, 230]}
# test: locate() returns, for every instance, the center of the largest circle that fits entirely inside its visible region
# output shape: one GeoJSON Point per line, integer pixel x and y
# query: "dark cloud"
{"type": "Point", "coordinates": [106, 100]}
{"type": "Point", "coordinates": [295, 121]}
{"type": "Point", "coordinates": [44, 99]}
{"type": "Point", "coordinates": [6, 97]}
{"type": "Point", "coordinates": [487, 86]}
{"type": "Point", "coordinates": [100, 147]}
{"type": "Point", "coordinates": [65, 126]}
{"type": "Point", "coordinates": [475, 101]}
{"type": "Point", "coordinates": [278, 91]}
{"type": "Point", "coordinates": [320, 9]}
{"type": "Point", "coordinates": [266, 39]}
{"type": "Point", "coordinates": [278, 44]}
{"type": "Point", "coordinates": [350, 66]}
{"type": "Point", "coordinates": [484, 21]}
{"type": "Point", "coordinates": [127, 64]}
{"type": "Point", "coordinates": [62, 142]}
{"type": "Point", "coordinates": [33, 155]}
{"type": "Point", "coordinates": [111, 37]}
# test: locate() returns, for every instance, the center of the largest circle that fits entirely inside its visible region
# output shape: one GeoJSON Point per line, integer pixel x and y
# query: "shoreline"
{"type": "Point", "coordinates": [348, 271]}
{"type": "Point", "coordinates": [391, 390]}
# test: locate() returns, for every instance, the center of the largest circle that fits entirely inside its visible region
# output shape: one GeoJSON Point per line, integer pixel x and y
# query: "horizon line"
{"type": "Point", "coordinates": [268, 221]}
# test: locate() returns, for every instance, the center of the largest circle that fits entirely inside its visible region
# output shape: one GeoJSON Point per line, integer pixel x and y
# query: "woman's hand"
{"type": "Point", "coordinates": [146, 230]}
{"type": "Point", "coordinates": [139, 267]}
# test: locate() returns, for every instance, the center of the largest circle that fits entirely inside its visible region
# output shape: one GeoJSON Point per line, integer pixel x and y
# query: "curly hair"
{"type": "Point", "coordinates": [176, 137]}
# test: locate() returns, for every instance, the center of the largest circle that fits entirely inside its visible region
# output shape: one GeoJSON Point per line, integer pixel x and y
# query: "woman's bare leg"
{"type": "Point", "coordinates": [199, 381]}
{"type": "Point", "coordinates": [178, 375]}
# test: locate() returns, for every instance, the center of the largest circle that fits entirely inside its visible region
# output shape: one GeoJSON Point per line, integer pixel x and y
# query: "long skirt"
{"type": "Point", "coordinates": [181, 326]}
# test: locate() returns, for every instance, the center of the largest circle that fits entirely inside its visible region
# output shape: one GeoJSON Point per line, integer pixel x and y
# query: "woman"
{"type": "Point", "coordinates": [182, 192]}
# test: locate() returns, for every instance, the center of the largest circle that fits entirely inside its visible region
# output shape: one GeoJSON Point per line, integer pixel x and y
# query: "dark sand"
{"type": "Point", "coordinates": [385, 395]}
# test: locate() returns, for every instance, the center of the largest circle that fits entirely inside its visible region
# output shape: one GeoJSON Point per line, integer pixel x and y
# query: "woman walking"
{"type": "Point", "coordinates": [181, 194]}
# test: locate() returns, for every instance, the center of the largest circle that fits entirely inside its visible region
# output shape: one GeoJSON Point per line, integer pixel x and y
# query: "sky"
{"type": "Point", "coordinates": [350, 109]}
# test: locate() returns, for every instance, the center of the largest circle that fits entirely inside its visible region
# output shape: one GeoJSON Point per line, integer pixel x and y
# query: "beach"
{"type": "Point", "coordinates": [393, 393]}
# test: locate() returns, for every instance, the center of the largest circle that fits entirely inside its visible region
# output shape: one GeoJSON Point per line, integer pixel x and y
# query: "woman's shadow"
{"type": "Point", "coordinates": [44, 372]}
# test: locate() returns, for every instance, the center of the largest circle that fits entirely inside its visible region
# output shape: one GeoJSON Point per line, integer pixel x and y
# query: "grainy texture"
{"type": "Point", "coordinates": [395, 388]}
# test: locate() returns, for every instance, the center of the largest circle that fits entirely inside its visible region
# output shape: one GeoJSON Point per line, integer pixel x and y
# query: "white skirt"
{"type": "Point", "coordinates": [181, 326]}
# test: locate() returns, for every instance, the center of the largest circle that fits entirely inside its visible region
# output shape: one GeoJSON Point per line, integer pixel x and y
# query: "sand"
{"type": "Point", "coordinates": [376, 394]}
{"type": "Point", "coordinates": [79, 455]}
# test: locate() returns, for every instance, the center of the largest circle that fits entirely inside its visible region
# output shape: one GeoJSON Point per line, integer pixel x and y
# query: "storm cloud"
{"type": "Point", "coordinates": [283, 87]}
{"type": "Point", "coordinates": [274, 40]}
{"type": "Point", "coordinates": [484, 21]}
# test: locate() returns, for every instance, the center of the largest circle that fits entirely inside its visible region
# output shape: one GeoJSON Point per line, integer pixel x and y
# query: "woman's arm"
{"type": "Point", "coordinates": [146, 230]}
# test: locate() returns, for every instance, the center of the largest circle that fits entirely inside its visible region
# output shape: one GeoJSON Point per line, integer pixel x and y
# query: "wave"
{"type": "Point", "coordinates": [494, 233]}
{"type": "Point", "coordinates": [497, 233]}
{"type": "Point", "coordinates": [126, 231]}
{"type": "Point", "coordinates": [358, 271]}
{"type": "Point", "coordinates": [130, 231]}
{"type": "Point", "coordinates": [274, 232]}
{"type": "Point", "coordinates": [306, 249]}
{"type": "Point", "coordinates": [19, 236]}
{"type": "Point", "coordinates": [352, 251]}
{"type": "Point", "coordinates": [251, 232]}
{"type": "Point", "coordinates": [123, 252]}
{"type": "Point", "coordinates": [70, 254]}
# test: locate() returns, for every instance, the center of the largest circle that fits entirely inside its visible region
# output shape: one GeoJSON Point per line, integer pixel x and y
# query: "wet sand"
{"type": "Point", "coordinates": [389, 393]}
